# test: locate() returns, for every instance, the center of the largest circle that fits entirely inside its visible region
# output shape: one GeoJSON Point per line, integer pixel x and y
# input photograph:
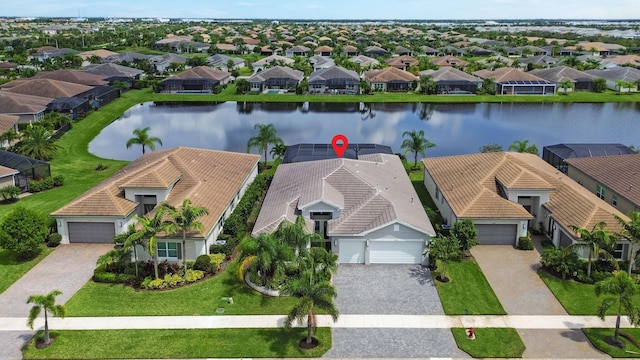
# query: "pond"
{"type": "Point", "coordinates": [454, 128]}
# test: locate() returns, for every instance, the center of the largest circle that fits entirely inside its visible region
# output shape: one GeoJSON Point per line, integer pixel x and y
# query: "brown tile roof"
{"type": "Point", "coordinates": [505, 74]}
{"type": "Point", "coordinates": [209, 178]}
{"type": "Point", "coordinates": [49, 88]}
{"type": "Point", "coordinates": [449, 60]}
{"type": "Point", "coordinates": [100, 52]}
{"type": "Point", "coordinates": [7, 122]}
{"type": "Point", "coordinates": [5, 171]}
{"type": "Point", "coordinates": [371, 192]}
{"type": "Point", "coordinates": [73, 76]}
{"type": "Point", "coordinates": [202, 72]}
{"type": "Point", "coordinates": [323, 48]}
{"type": "Point", "coordinates": [7, 65]}
{"type": "Point", "coordinates": [402, 61]}
{"type": "Point", "coordinates": [13, 103]}
{"type": "Point", "coordinates": [277, 72]}
{"type": "Point", "coordinates": [450, 74]}
{"type": "Point", "coordinates": [620, 173]}
{"type": "Point", "coordinates": [389, 74]}
{"type": "Point", "coordinates": [469, 185]}
{"type": "Point", "coordinates": [561, 73]}
{"type": "Point", "coordinates": [13, 83]}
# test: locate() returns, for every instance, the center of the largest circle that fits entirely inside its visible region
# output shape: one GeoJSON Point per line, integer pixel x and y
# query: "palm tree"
{"type": "Point", "coordinates": [522, 146]}
{"type": "Point", "coordinates": [266, 254]}
{"type": "Point", "coordinates": [278, 151]}
{"type": "Point", "coordinates": [594, 241]}
{"type": "Point", "coordinates": [565, 85]}
{"type": "Point", "coordinates": [8, 137]}
{"type": "Point", "coordinates": [416, 143]}
{"type": "Point", "coordinates": [295, 234]}
{"type": "Point", "coordinates": [131, 238]}
{"type": "Point", "coordinates": [622, 288]}
{"type": "Point", "coordinates": [311, 293]}
{"type": "Point", "coordinates": [148, 232]}
{"type": "Point", "coordinates": [48, 304]}
{"type": "Point", "coordinates": [142, 138]}
{"type": "Point", "coordinates": [266, 136]}
{"type": "Point", "coordinates": [38, 143]}
{"type": "Point", "coordinates": [185, 219]}
{"type": "Point", "coordinates": [631, 231]}
{"type": "Point", "coordinates": [323, 263]}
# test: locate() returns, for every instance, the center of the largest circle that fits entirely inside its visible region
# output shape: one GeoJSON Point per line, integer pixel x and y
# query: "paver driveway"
{"type": "Point", "coordinates": [67, 269]}
{"type": "Point", "coordinates": [513, 277]}
{"type": "Point", "coordinates": [389, 289]}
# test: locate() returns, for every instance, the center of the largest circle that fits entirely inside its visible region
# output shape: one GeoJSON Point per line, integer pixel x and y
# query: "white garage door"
{"type": "Point", "coordinates": [503, 234]}
{"type": "Point", "coordinates": [396, 252]}
{"type": "Point", "coordinates": [351, 252]}
{"type": "Point", "coordinates": [91, 232]}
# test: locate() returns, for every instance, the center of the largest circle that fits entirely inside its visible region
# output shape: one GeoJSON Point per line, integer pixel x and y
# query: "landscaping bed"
{"type": "Point", "coordinates": [597, 337]}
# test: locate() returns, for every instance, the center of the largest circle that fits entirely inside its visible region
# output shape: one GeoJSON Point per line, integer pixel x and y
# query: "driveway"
{"type": "Point", "coordinates": [395, 290]}
{"type": "Point", "coordinates": [513, 277]}
{"type": "Point", "coordinates": [67, 269]}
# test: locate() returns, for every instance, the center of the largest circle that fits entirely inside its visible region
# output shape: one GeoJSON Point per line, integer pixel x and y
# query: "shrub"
{"type": "Point", "coordinates": [54, 239]}
{"type": "Point", "coordinates": [203, 263]}
{"type": "Point", "coordinates": [101, 275]}
{"type": "Point", "coordinates": [23, 231]}
{"type": "Point", "coordinates": [44, 184]}
{"type": "Point", "coordinates": [525, 243]}
{"type": "Point", "coordinates": [101, 167]}
{"type": "Point", "coordinates": [10, 193]}
{"type": "Point", "coordinates": [194, 275]}
{"type": "Point", "coordinates": [58, 180]}
{"type": "Point", "coordinates": [217, 260]}
{"type": "Point", "coordinates": [560, 262]}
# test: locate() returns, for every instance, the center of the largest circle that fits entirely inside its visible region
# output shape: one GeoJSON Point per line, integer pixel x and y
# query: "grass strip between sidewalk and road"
{"type": "Point", "coordinates": [183, 343]}
{"type": "Point", "coordinates": [490, 342]}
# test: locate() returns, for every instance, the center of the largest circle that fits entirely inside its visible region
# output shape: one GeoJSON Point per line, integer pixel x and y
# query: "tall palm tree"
{"type": "Point", "coordinates": [416, 144]}
{"type": "Point", "coordinates": [631, 231]}
{"type": "Point", "coordinates": [141, 137]}
{"type": "Point", "coordinates": [148, 232]}
{"type": "Point", "coordinates": [295, 234]}
{"type": "Point", "coordinates": [522, 146]}
{"type": "Point", "coordinates": [131, 238]}
{"type": "Point", "coordinates": [311, 293]}
{"type": "Point", "coordinates": [622, 288]}
{"type": "Point", "coordinates": [593, 240]}
{"type": "Point", "coordinates": [48, 304]}
{"type": "Point", "coordinates": [185, 219]}
{"type": "Point", "coordinates": [38, 143]}
{"type": "Point", "coordinates": [278, 151]}
{"type": "Point", "coordinates": [266, 254]}
{"type": "Point", "coordinates": [267, 135]}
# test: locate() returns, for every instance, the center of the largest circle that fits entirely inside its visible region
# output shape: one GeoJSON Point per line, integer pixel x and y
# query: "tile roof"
{"type": "Point", "coordinates": [72, 76]}
{"type": "Point", "coordinates": [49, 88]}
{"type": "Point", "coordinates": [202, 72]}
{"type": "Point", "coordinates": [402, 61]}
{"type": "Point", "coordinates": [274, 58]}
{"type": "Point", "coordinates": [364, 60]}
{"type": "Point", "coordinates": [334, 72]}
{"type": "Point", "coordinates": [561, 73]}
{"type": "Point", "coordinates": [7, 122]}
{"type": "Point", "coordinates": [623, 73]}
{"type": "Point", "coordinates": [277, 72]}
{"type": "Point", "coordinates": [100, 53]}
{"type": "Point", "coordinates": [449, 60]}
{"type": "Point", "coordinates": [112, 70]}
{"type": "Point", "coordinates": [469, 185]}
{"type": "Point", "coordinates": [371, 192]}
{"type": "Point", "coordinates": [506, 74]}
{"type": "Point", "coordinates": [5, 171]}
{"type": "Point", "coordinates": [13, 103]}
{"type": "Point", "coordinates": [620, 173]}
{"type": "Point", "coordinates": [388, 75]}
{"type": "Point", "coordinates": [209, 178]}
{"type": "Point", "coordinates": [451, 74]}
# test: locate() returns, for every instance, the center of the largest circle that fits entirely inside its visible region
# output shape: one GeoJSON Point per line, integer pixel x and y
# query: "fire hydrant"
{"type": "Point", "coordinates": [471, 333]}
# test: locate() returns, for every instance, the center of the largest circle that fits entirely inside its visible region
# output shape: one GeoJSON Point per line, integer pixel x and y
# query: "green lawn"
{"type": "Point", "coordinates": [203, 298]}
{"type": "Point", "coordinates": [490, 343]}
{"type": "Point", "coordinates": [183, 343]}
{"type": "Point", "coordinates": [577, 298]}
{"type": "Point", "coordinates": [11, 269]}
{"type": "Point", "coordinates": [467, 291]}
{"type": "Point", "coordinates": [597, 338]}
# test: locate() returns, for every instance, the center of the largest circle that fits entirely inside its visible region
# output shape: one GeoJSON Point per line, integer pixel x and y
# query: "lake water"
{"type": "Point", "coordinates": [454, 128]}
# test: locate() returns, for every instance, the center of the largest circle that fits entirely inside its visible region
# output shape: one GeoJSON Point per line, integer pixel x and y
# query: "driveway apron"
{"type": "Point", "coordinates": [512, 274]}
{"type": "Point", "coordinates": [67, 269]}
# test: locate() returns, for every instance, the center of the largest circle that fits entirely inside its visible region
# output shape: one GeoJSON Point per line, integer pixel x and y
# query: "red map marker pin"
{"type": "Point", "coordinates": [340, 148]}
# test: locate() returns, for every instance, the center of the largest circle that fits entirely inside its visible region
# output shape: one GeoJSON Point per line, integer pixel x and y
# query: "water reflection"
{"type": "Point", "coordinates": [455, 128]}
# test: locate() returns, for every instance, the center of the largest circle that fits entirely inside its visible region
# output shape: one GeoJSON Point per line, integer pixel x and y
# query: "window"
{"type": "Point", "coordinates": [437, 193]}
{"type": "Point", "coordinates": [614, 201]}
{"type": "Point", "coordinates": [167, 249]}
{"type": "Point", "coordinates": [600, 192]}
{"type": "Point", "coordinates": [619, 253]}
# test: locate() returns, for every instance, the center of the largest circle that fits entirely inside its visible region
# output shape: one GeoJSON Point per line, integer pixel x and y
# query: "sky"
{"type": "Point", "coordinates": [328, 9]}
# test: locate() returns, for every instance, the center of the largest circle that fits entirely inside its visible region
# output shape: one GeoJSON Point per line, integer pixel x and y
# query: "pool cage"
{"type": "Point", "coordinates": [29, 168]}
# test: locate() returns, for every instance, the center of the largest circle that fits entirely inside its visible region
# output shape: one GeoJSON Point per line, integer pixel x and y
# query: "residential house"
{"type": "Point", "coordinates": [402, 62]}
{"type": "Point", "coordinates": [298, 50]}
{"type": "Point", "coordinates": [539, 61]}
{"type": "Point", "coordinates": [596, 48]}
{"type": "Point", "coordinates": [334, 80]}
{"type": "Point", "coordinates": [321, 62]}
{"type": "Point", "coordinates": [324, 50]}
{"type": "Point", "coordinates": [101, 53]}
{"type": "Point", "coordinates": [8, 122]}
{"type": "Point", "coordinates": [49, 88]}
{"type": "Point", "coordinates": [27, 168]}
{"type": "Point", "coordinates": [200, 79]}
{"type": "Point", "coordinates": [580, 81]}
{"type": "Point", "coordinates": [271, 61]}
{"type": "Point", "coordinates": [506, 193]}
{"type": "Point", "coordinates": [622, 60]}
{"type": "Point", "coordinates": [350, 51]}
{"type": "Point", "coordinates": [619, 78]}
{"type": "Point", "coordinates": [215, 180]}
{"type": "Point", "coordinates": [221, 62]}
{"type": "Point", "coordinates": [373, 50]}
{"type": "Point", "coordinates": [72, 76]}
{"type": "Point", "coordinates": [390, 79]}
{"type": "Point", "coordinates": [126, 57]}
{"type": "Point", "coordinates": [511, 81]}
{"type": "Point", "coordinates": [366, 210]}
{"type": "Point", "coordinates": [558, 154]}
{"type": "Point", "coordinates": [114, 72]}
{"type": "Point", "coordinates": [450, 60]}
{"type": "Point", "coordinates": [6, 66]}
{"type": "Point", "coordinates": [613, 179]}
{"type": "Point", "coordinates": [402, 51]}
{"type": "Point", "coordinates": [450, 80]}
{"type": "Point", "coordinates": [428, 51]}
{"type": "Point", "coordinates": [49, 52]}
{"type": "Point", "coordinates": [181, 44]}
{"type": "Point", "coordinates": [7, 176]}
{"type": "Point", "coordinates": [277, 77]}
{"type": "Point", "coordinates": [28, 108]}
{"type": "Point", "coordinates": [313, 152]}
{"type": "Point", "coordinates": [364, 61]}
{"type": "Point", "coordinates": [162, 62]}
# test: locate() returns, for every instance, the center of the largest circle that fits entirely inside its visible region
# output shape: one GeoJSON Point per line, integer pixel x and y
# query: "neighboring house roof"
{"type": "Point", "coordinates": [349, 49]}
{"type": "Point", "coordinates": [72, 76]}
{"type": "Point", "coordinates": [5, 65]}
{"type": "Point", "coordinates": [112, 70]}
{"type": "Point", "coordinates": [323, 48]}
{"type": "Point", "coordinates": [14, 103]}
{"type": "Point", "coordinates": [281, 72]}
{"type": "Point", "coordinates": [567, 151]}
{"type": "Point", "coordinates": [49, 88]}
{"type": "Point", "coordinates": [221, 60]}
{"type": "Point", "coordinates": [202, 72]}
{"type": "Point", "coordinates": [428, 49]}
{"type": "Point", "coordinates": [402, 61]}
{"type": "Point", "coordinates": [324, 61]}
{"type": "Point", "coordinates": [539, 60]}
{"type": "Point", "coordinates": [13, 83]}
{"type": "Point", "coordinates": [311, 152]}
{"type": "Point", "coordinates": [449, 60]}
{"type": "Point", "coordinates": [5, 171]}
{"type": "Point", "coordinates": [335, 72]}
{"type": "Point", "coordinates": [298, 48]}
{"type": "Point", "coordinates": [599, 46]}
{"type": "Point", "coordinates": [623, 73]}
{"type": "Point", "coordinates": [102, 53]}
{"type": "Point", "coordinates": [450, 74]}
{"type": "Point", "coordinates": [364, 60]}
{"type": "Point", "coordinates": [209, 178]}
{"type": "Point", "coordinates": [126, 56]}
{"type": "Point", "coordinates": [272, 59]}
{"type": "Point", "coordinates": [168, 58]}
{"type": "Point", "coordinates": [372, 192]}
{"type": "Point", "coordinates": [375, 50]}
{"type": "Point", "coordinates": [471, 186]}
{"type": "Point", "coordinates": [507, 74]}
{"type": "Point", "coordinates": [619, 173]}
{"type": "Point", "coordinates": [633, 60]}
{"type": "Point", "coordinates": [562, 73]}
{"type": "Point", "coordinates": [7, 122]}
{"type": "Point", "coordinates": [390, 74]}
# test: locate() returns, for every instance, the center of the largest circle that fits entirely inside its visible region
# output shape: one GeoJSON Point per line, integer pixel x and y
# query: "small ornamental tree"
{"type": "Point", "coordinates": [23, 231]}
{"type": "Point", "coordinates": [466, 233]}
{"type": "Point", "coordinates": [445, 249]}
{"type": "Point", "coordinates": [48, 304]}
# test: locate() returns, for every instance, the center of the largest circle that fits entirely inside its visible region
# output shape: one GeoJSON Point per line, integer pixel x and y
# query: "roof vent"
{"type": "Point", "coordinates": [412, 199]}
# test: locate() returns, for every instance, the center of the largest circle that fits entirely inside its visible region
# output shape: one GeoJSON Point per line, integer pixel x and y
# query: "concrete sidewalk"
{"type": "Point", "coordinates": [345, 321]}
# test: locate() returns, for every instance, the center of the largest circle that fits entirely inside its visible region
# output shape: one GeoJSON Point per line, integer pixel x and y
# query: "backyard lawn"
{"type": "Point", "coordinates": [203, 298]}
{"type": "Point", "coordinates": [490, 343]}
{"type": "Point", "coordinates": [11, 269]}
{"type": "Point", "coordinates": [182, 343]}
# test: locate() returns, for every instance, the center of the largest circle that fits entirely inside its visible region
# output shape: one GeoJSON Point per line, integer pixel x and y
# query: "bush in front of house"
{"type": "Point", "coordinates": [101, 275]}
{"type": "Point", "coordinates": [10, 193]}
{"type": "Point", "coordinates": [226, 248]}
{"type": "Point", "coordinates": [203, 263]}
{"type": "Point", "coordinates": [237, 223]}
{"type": "Point", "coordinates": [525, 243]}
{"type": "Point", "coordinates": [172, 280]}
{"type": "Point", "coordinates": [217, 260]}
{"type": "Point", "coordinates": [563, 263]}
{"type": "Point", "coordinates": [23, 232]}
{"type": "Point", "coordinates": [53, 240]}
